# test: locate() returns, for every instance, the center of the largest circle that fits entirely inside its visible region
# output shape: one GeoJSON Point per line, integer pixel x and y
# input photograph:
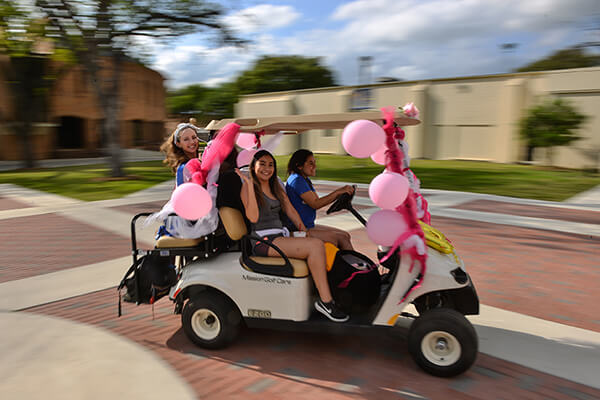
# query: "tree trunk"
{"type": "Point", "coordinates": [111, 120]}
{"type": "Point", "coordinates": [28, 78]}
{"type": "Point", "coordinates": [107, 95]}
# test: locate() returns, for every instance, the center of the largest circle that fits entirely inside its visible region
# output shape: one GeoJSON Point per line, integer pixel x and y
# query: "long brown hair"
{"type": "Point", "coordinates": [274, 184]}
{"type": "Point", "coordinates": [175, 156]}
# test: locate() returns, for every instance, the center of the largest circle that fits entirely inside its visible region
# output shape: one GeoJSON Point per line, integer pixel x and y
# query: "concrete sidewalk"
{"type": "Point", "coordinates": [35, 340]}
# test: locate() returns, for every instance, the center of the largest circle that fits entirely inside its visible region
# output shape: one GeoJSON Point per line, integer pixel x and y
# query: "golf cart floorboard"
{"type": "Point", "coordinates": [317, 322]}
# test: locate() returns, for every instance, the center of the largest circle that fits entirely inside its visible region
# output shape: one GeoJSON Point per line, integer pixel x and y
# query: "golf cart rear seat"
{"type": "Point", "coordinates": [169, 242]}
{"type": "Point", "coordinates": [234, 225]}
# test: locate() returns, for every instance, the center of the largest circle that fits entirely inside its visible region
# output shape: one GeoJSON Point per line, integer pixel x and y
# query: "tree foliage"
{"type": "Point", "coordinates": [563, 59]}
{"type": "Point", "coordinates": [551, 123]}
{"type": "Point", "coordinates": [101, 33]}
{"type": "Point", "coordinates": [268, 74]}
{"type": "Point", "coordinates": [274, 74]}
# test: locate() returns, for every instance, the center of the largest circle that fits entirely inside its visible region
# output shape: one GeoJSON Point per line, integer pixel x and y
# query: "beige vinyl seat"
{"type": "Point", "coordinates": [169, 242]}
{"type": "Point", "coordinates": [234, 225]}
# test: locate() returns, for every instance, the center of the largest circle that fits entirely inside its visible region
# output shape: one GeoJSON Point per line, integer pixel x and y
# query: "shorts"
{"type": "Point", "coordinates": [261, 249]}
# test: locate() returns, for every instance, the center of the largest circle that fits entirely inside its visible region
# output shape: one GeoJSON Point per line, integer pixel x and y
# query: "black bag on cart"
{"type": "Point", "coordinates": [354, 281]}
{"type": "Point", "coordinates": [153, 276]}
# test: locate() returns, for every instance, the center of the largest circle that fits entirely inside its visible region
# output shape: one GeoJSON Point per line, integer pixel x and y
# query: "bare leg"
{"type": "Point", "coordinates": [313, 251]}
{"type": "Point", "coordinates": [333, 235]}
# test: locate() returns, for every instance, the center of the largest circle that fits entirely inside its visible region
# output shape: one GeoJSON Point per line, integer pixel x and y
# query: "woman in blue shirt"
{"type": "Point", "coordinates": [179, 148]}
{"type": "Point", "coordinates": [305, 200]}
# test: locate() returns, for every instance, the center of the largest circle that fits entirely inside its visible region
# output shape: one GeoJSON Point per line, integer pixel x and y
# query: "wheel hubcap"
{"type": "Point", "coordinates": [441, 348]}
{"type": "Point", "coordinates": [205, 324]}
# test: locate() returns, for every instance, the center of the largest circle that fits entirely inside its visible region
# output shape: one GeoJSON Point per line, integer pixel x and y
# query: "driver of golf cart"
{"type": "Point", "coordinates": [306, 201]}
{"type": "Point", "coordinates": [263, 199]}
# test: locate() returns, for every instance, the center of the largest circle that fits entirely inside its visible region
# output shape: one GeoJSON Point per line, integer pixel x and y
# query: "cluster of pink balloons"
{"type": "Point", "coordinates": [387, 190]}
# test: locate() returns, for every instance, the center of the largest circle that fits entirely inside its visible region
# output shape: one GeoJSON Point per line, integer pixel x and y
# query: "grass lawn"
{"type": "Point", "coordinates": [89, 182]}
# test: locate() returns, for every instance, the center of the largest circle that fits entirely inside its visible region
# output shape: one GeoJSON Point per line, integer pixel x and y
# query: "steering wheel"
{"type": "Point", "coordinates": [343, 202]}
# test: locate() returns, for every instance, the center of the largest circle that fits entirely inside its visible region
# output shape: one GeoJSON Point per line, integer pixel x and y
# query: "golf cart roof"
{"type": "Point", "coordinates": [300, 123]}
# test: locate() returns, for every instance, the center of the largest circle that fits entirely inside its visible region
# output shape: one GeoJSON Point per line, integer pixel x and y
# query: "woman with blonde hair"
{"type": "Point", "coordinates": [180, 147]}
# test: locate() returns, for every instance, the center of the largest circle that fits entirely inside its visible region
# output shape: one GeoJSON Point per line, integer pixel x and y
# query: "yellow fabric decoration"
{"type": "Point", "coordinates": [436, 239]}
{"type": "Point", "coordinates": [330, 252]}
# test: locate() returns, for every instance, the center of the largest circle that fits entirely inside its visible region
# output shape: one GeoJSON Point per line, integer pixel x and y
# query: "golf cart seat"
{"type": "Point", "coordinates": [234, 225]}
{"type": "Point", "coordinates": [169, 242]}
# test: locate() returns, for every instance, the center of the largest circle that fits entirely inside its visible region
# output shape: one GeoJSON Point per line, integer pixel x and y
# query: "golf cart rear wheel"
{"type": "Point", "coordinates": [210, 320]}
{"type": "Point", "coordinates": [443, 342]}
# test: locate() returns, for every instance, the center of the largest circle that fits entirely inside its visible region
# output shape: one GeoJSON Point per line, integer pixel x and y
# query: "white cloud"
{"type": "Point", "coordinates": [408, 39]}
{"type": "Point", "coordinates": [263, 17]}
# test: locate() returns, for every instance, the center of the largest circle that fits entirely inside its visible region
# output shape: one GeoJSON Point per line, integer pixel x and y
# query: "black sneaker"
{"type": "Point", "coordinates": [331, 311]}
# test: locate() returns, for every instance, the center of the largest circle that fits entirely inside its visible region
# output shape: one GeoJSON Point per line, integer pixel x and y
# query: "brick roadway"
{"type": "Point", "coordinates": [541, 273]}
{"type": "Point", "coordinates": [563, 214]}
{"type": "Point", "coordinates": [273, 364]}
{"type": "Point", "coordinates": [40, 244]}
{"type": "Point", "coordinates": [549, 275]}
{"type": "Point", "coordinates": [10, 204]}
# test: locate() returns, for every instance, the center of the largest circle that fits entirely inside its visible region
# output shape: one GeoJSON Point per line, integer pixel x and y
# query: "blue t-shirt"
{"type": "Point", "coordinates": [295, 186]}
{"type": "Point", "coordinates": [179, 174]}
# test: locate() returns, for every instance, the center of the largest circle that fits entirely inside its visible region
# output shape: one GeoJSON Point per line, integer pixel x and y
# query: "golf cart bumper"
{"type": "Point", "coordinates": [465, 299]}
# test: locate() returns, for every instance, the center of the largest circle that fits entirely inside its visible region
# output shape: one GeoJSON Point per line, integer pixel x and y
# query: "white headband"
{"type": "Point", "coordinates": [181, 127]}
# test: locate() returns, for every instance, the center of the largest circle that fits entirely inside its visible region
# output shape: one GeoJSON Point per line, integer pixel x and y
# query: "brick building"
{"type": "Point", "coordinates": [72, 125]}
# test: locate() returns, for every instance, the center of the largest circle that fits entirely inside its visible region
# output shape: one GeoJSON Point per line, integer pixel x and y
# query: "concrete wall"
{"type": "Point", "coordinates": [473, 118]}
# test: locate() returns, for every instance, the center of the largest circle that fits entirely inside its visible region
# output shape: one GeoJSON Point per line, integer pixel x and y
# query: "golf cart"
{"type": "Point", "coordinates": [222, 285]}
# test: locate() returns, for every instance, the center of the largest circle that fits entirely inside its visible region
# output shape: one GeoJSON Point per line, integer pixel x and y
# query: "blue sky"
{"type": "Point", "coordinates": [407, 39]}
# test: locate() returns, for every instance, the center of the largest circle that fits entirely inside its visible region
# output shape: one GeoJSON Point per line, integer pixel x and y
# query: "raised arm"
{"type": "Point", "coordinates": [248, 197]}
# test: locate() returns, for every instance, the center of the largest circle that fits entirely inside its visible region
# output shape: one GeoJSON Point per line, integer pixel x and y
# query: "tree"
{"type": "Point", "coordinates": [274, 74]}
{"type": "Point", "coordinates": [552, 123]}
{"type": "Point", "coordinates": [563, 59]}
{"type": "Point", "coordinates": [186, 99]}
{"type": "Point", "coordinates": [26, 71]}
{"type": "Point", "coordinates": [219, 102]}
{"type": "Point", "coordinates": [101, 33]}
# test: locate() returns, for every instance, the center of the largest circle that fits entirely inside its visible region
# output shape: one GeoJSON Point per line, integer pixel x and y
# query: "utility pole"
{"type": "Point", "coordinates": [364, 70]}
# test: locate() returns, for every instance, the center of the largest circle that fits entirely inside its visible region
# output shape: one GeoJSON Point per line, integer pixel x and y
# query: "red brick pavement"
{"type": "Point", "coordinates": [271, 364]}
{"type": "Point", "coordinates": [133, 209]}
{"type": "Point", "coordinates": [10, 204]}
{"type": "Point", "coordinates": [526, 210]}
{"type": "Point", "coordinates": [40, 244]}
{"type": "Point", "coordinates": [545, 274]}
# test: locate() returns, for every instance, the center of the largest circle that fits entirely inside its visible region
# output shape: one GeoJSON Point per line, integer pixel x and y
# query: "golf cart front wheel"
{"type": "Point", "coordinates": [443, 342]}
{"type": "Point", "coordinates": [210, 320]}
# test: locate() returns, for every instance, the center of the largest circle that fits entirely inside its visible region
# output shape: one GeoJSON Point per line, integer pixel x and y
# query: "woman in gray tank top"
{"type": "Point", "coordinates": [263, 198]}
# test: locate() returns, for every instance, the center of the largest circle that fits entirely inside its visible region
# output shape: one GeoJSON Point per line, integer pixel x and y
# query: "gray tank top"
{"type": "Point", "coordinates": [268, 215]}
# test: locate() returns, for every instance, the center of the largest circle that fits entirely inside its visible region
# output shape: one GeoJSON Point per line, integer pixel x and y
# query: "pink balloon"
{"type": "Point", "coordinates": [388, 190]}
{"type": "Point", "coordinates": [246, 140]}
{"type": "Point", "coordinates": [191, 201]}
{"type": "Point", "coordinates": [385, 226]}
{"type": "Point", "coordinates": [244, 157]}
{"type": "Point", "coordinates": [361, 138]}
{"type": "Point", "coordinates": [379, 156]}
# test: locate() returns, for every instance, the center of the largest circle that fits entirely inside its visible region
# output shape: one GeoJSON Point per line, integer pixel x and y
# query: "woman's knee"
{"type": "Point", "coordinates": [315, 245]}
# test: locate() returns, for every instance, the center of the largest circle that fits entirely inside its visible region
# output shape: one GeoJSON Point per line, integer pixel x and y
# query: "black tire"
{"type": "Point", "coordinates": [211, 320]}
{"type": "Point", "coordinates": [443, 342]}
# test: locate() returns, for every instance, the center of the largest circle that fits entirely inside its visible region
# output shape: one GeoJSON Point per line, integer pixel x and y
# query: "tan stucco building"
{"type": "Point", "coordinates": [72, 127]}
{"type": "Point", "coordinates": [473, 118]}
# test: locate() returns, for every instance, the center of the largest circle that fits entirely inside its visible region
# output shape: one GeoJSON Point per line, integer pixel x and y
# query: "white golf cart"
{"type": "Point", "coordinates": [225, 286]}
